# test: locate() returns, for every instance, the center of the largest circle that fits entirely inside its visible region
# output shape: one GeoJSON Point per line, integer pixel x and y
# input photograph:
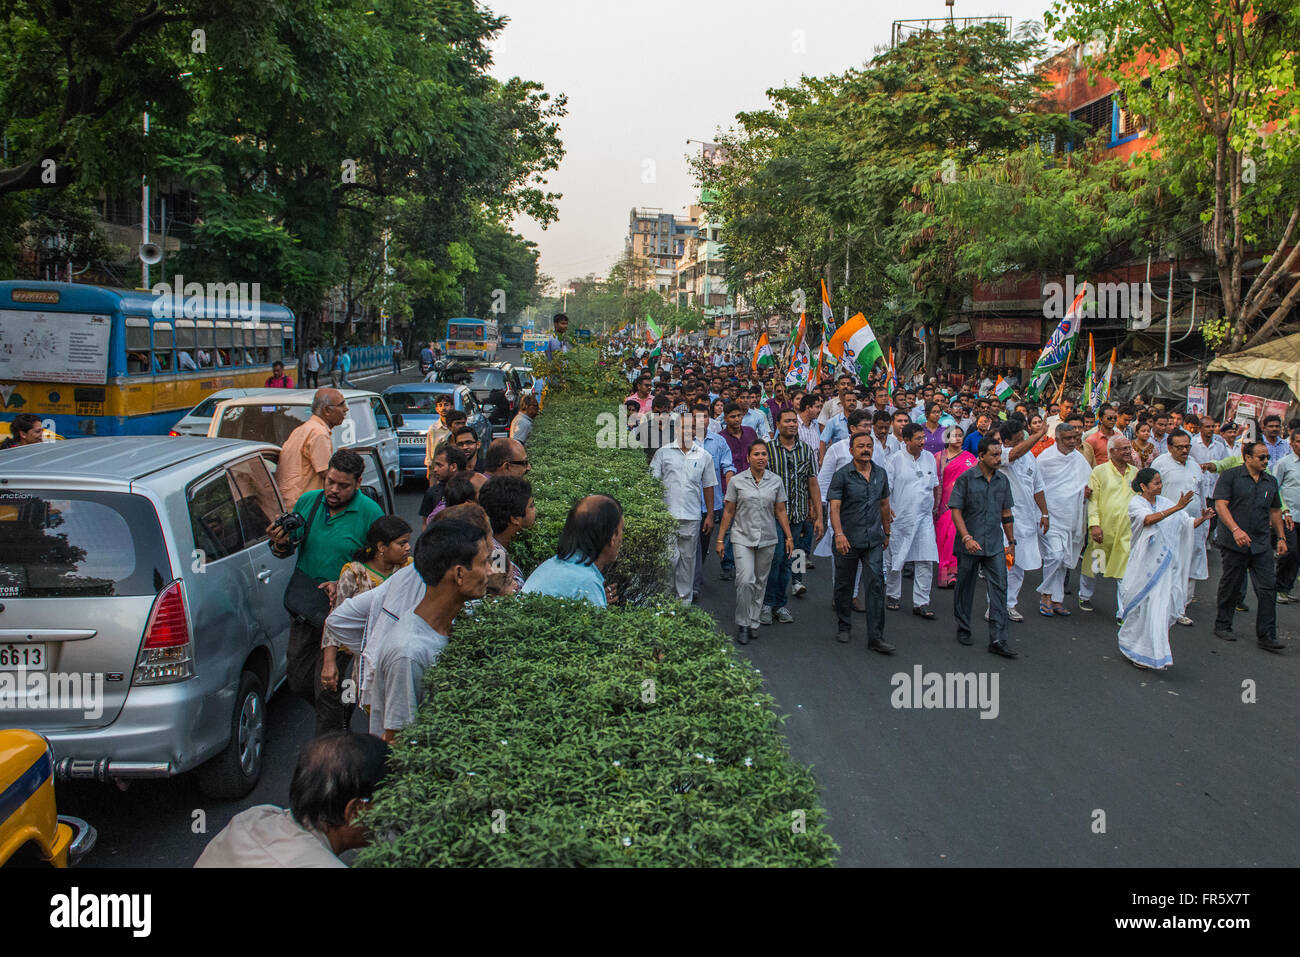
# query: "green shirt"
{"type": "Point", "coordinates": [334, 538]}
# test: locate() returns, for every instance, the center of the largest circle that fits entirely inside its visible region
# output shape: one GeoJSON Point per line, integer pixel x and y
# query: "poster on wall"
{"type": "Point", "coordinates": [1250, 410]}
{"type": "Point", "coordinates": [53, 346]}
{"type": "Point", "coordinates": [1198, 399]}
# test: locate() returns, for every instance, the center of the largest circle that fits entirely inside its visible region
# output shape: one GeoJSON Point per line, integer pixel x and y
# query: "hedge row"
{"type": "Point", "coordinates": [569, 463]}
{"type": "Point", "coordinates": [555, 733]}
{"type": "Point", "coordinates": [558, 734]}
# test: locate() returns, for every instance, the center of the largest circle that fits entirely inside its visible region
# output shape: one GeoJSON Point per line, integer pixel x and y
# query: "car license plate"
{"type": "Point", "coordinates": [411, 440]}
{"type": "Point", "coordinates": [28, 657]}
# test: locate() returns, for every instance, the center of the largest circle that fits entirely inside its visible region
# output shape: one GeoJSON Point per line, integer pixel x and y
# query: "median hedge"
{"type": "Point", "coordinates": [559, 734]}
{"type": "Point", "coordinates": [569, 463]}
{"type": "Point", "coordinates": [555, 733]}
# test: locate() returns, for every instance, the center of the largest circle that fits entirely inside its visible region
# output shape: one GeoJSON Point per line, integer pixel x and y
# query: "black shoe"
{"type": "Point", "coordinates": [1243, 607]}
{"type": "Point", "coordinates": [742, 635]}
{"type": "Point", "coordinates": [753, 633]}
{"type": "Point", "coordinates": [1271, 645]}
{"type": "Point", "coordinates": [1003, 649]}
{"type": "Point", "coordinates": [842, 637]}
{"type": "Point", "coordinates": [1085, 604]}
{"type": "Point", "coordinates": [882, 646]}
{"type": "Point", "coordinates": [964, 639]}
{"type": "Point", "coordinates": [726, 575]}
{"type": "Point", "coordinates": [1225, 635]}
{"type": "Point", "coordinates": [923, 612]}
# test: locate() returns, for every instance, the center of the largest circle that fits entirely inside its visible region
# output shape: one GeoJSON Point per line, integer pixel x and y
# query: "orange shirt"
{"type": "Point", "coordinates": [1098, 443]}
{"type": "Point", "coordinates": [305, 455]}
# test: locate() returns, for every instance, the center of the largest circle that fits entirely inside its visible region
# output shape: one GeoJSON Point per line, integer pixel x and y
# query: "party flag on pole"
{"type": "Point", "coordinates": [856, 345]}
{"type": "Point", "coordinates": [1002, 389]}
{"type": "Point", "coordinates": [762, 354]}
{"type": "Point", "coordinates": [1089, 378]}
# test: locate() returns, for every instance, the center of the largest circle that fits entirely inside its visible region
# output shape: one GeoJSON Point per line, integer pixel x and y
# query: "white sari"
{"type": "Point", "coordinates": [1153, 591]}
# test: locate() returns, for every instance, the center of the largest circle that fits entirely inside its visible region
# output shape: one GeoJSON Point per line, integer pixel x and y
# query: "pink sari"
{"type": "Point", "coordinates": [945, 530]}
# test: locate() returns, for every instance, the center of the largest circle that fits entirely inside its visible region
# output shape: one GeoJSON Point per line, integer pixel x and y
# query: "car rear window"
{"type": "Point", "coordinates": [205, 408]}
{"type": "Point", "coordinates": [262, 423]}
{"type": "Point", "coordinates": [413, 403]}
{"type": "Point", "coordinates": [57, 544]}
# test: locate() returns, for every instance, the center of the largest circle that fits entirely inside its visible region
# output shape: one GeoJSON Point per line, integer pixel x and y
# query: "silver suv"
{"type": "Point", "coordinates": [140, 566]}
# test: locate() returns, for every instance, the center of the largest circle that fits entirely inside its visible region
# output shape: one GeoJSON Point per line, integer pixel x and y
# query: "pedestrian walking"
{"type": "Point", "coordinates": [981, 505]}
{"type": "Point", "coordinates": [1109, 488]}
{"type": "Point", "coordinates": [724, 470]}
{"type": "Point", "coordinates": [1064, 472]}
{"type": "Point", "coordinates": [345, 366]}
{"type": "Point", "coordinates": [1029, 513]}
{"type": "Point", "coordinates": [1249, 507]}
{"type": "Point", "coordinates": [311, 368]}
{"type": "Point", "coordinates": [1179, 473]}
{"type": "Point", "coordinates": [1287, 472]}
{"type": "Point", "coordinates": [794, 464]}
{"type": "Point", "coordinates": [949, 465]}
{"type": "Point", "coordinates": [860, 519]}
{"type": "Point", "coordinates": [1153, 592]}
{"type": "Point", "coordinates": [397, 358]}
{"type": "Point", "coordinates": [305, 455]}
{"type": "Point", "coordinates": [686, 470]}
{"type": "Point", "coordinates": [754, 497]}
{"type": "Point", "coordinates": [914, 497]}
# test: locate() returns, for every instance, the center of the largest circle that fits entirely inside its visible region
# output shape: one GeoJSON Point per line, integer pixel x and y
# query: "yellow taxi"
{"type": "Point", "coordinates": [32, 832]}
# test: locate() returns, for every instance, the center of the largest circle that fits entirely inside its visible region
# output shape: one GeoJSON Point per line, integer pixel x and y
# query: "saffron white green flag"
{"type": "Point", "coordinates": [762, 354]}
{"type": "Point", "coordinates": [1002, 389]}
{"type": "Point", "coordinates": [856, 347]}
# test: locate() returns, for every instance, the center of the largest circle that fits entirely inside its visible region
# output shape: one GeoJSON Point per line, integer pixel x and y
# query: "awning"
{"type": "Point", "coordinates": [1278, 360]}
{"type": "Point", "coordinates": [955, 329]}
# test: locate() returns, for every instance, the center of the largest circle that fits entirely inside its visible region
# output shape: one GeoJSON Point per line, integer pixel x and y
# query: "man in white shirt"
{"type": "Point", "coordinates": [913, 499]}
{"type": "Point", "coordinates": [834, 406]}
{"type": "Point", "coordinates": [1029, 509]}
{"type": "Point", "coordinates": [1179, 473]}
{"type": "Point", "coordinates": [1065, 473]}
{"type": "Point", "coordinates": [336, 778]}
{"type": "Point", "coordinates": [1207, 447]}
{"type": "Point", "coordinates": [810, 407]}
{"type": "Point", "coordinates": [881, 451]}
{"type": "Point", "coordinates": [686, 468]}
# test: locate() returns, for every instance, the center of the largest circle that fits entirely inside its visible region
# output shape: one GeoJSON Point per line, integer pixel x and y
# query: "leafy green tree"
{"type": "Point", "coordinates": [1217, 81]}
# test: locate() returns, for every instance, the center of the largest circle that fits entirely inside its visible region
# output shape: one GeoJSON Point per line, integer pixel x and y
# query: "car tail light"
{"type": "Point", "coordinates": [167, 653]}
{"type": "Point", "coordinates": [173, 432]}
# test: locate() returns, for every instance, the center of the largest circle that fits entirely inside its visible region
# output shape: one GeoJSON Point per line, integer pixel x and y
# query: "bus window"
{"type": "Point", "coordinates": [244, 329]}
{"type": "Point", "coordinates": [276, 343]}
{"type": "Point", "coordinates": [162, 347]}
{"type": "Point", "coordinates": [225, 343]}
{"type": "Point", "coordinates": [263, 343]}
{"type": "Point", "coordinates": [286, 334]}
{"type": "Point", "coordinates": [186, 360]}
{"type": "Point", "coordinates": [137, 346]}
{"type": "Point", "coordinates": [206, 350]}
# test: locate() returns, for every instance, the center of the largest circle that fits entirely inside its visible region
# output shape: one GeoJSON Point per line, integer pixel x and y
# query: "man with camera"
{"type": "Point", "coordinates": [326, 539]}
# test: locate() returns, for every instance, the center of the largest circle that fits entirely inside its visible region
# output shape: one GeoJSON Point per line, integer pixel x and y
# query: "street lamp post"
{"type": "Point", "coordinates": [565, 300]}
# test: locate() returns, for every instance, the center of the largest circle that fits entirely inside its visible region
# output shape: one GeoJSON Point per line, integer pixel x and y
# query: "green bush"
{"type": "Point", "coordinates": [542, 742]}
{"type": "Point", "coordinates": [568, 463]}
{"type": "Point", "coordinates": [582, 371]}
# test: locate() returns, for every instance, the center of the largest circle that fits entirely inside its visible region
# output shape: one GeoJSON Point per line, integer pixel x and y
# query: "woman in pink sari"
{"type": "Point", "coordinates": [950, 462]}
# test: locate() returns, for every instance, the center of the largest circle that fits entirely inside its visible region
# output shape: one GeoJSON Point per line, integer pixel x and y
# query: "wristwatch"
{"type": "Point", "coordinates": [1011, 542]}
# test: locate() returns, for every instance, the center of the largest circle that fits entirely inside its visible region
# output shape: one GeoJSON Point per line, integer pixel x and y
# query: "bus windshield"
{"type": "Point", "coordinates": [465, 331]}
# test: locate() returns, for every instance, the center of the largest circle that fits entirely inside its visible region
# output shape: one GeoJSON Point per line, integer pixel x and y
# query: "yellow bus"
{"type": "Point", "coordinates": [473, 339]}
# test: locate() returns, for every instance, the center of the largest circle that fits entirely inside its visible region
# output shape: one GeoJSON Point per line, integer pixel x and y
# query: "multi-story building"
{"type": "Point", "coordinates": [655, 241]}
{"type": "Point", "coordinates": [701, 270]}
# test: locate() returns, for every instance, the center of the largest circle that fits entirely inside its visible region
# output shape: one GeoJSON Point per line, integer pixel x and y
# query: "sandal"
{"type": "Point", "coordinates": [892, 604]}
{"type": "Point", "coordinates": [1045, 610]}
{"type": "Point", "coordinates": [1060, 610]}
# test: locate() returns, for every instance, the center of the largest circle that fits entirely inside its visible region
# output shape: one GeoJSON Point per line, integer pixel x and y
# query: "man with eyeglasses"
{"type": "Point", "coordinates": [305, 455]}
{"type": "Point", "coordinates": [1107, 419]}
{"type": "Point", "coordinates": [465, 440]}
{"type": "Point", "coordinates": [1179, 473]}
{"type": "Point", "coordinates": [1249, 507]}
{"type": "Point", "coordinates": [507, 457]}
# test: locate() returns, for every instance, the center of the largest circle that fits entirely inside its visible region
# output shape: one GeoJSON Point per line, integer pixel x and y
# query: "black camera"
{"type": "Point", "coordinates": [290, 522]}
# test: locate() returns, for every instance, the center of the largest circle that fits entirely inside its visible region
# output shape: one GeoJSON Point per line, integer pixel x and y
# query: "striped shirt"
{"type": "Point", "coordinates": [793, 467]}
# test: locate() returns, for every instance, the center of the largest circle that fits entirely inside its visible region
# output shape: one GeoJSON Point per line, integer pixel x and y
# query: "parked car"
{"type": "Point", "coordinates": [494, 388]}
{"type": "Point", "coordinates": [414, 402]}
{"type": "Point", "coordinates": [198, 419]}
{"type": "Point", "coordinates": [259, 419]}
{"type": "Point", "coordinates": [32, 832]}
{"type": "Point", "coordinates": [146, 562]}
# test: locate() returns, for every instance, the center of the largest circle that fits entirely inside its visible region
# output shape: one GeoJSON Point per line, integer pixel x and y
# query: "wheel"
{"type": "Point", "coordinates": [235, 771]}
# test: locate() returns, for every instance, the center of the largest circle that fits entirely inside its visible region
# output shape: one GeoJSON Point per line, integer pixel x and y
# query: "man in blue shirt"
{"type": "Point", "coordinates": [345, 366]}
{"type": "Point", "coordinates": [1271, 436]}
{"type": "Point", "coordinates": [753, 418]}
{"type": "Point", "coordinates": [724, 468]}
{"type": "Point", "coordinates": [589, 543]}
{"type": "Point", "coordinates": [556, 344]}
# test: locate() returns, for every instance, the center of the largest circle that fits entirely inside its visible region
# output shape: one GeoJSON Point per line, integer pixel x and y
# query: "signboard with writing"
{"type": "Point", "coordinates": [1249, 410]}
{"type": "Point", "coordinates": [1026, 331]}
{"type": "Point", "coordinates": [54, 346]}
{"type": "Point", "coordinates": [1198, 399]}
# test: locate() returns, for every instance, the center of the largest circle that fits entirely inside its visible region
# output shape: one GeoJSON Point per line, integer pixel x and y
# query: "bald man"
{"type": "Point", "coordinates": [305, 456]}
{"type": "Point", "coordinates": [507, 457]}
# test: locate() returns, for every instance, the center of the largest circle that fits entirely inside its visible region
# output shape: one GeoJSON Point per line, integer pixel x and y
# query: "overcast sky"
{"type": "Point", "coordinates": [642, 77]}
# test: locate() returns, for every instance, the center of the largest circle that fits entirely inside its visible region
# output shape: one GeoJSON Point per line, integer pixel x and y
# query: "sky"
{"type": "Point", "coordinates": [643, 77]}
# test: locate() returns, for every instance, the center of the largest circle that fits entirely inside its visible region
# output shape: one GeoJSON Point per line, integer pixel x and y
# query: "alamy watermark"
{"type": "Point", "coordinates": [181, 299]}
{"type": "Point", "coordinates": [1130, 301]}
{"type": "Point", "coordinates": [27, 689]}
{"type": "Point", "coordinates": [949, 690]}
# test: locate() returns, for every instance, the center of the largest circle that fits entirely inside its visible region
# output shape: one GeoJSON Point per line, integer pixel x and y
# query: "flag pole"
{"type": "Point", "coordinates": [1064, 374]}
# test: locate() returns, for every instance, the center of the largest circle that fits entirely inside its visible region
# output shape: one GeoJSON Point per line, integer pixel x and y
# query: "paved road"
{"type": "Point", "coordinates": [1185, 772]}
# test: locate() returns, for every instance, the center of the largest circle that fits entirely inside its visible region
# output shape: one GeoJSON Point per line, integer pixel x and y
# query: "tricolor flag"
{"type": "Point", "coordinates": [800, 361]}
{"type": "Point", "coordinates": [828, 314]}
{"type": "Point", "coordinates": [1089, 378]}
{"type": "Point", "coordinates": [762, 354]}
{"type": "Point", "coordinates": [856, 346]}
{"type": "Point", "coordinates": [1002, 389]}
{"type": "Point", "coordinates": [652, 331]}
{"type": "Point", "coordinates": [1103, 386]}
{"type": "Point", "coordinates": [1057, 351]}
{"type": "Point", "coordinates": [891, 377]}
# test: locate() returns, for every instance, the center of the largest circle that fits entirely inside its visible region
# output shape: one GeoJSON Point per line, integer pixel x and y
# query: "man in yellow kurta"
{"type": "Point", "coordinates": [1109, 490]}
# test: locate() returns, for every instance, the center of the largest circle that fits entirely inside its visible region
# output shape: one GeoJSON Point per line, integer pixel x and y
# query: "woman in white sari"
{"type": "Point", "coordinates": [1154, 589]}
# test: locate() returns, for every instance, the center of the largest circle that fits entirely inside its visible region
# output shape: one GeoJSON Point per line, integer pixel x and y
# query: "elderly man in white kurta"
{"type": "Point", "coordinates": [1029, 513]}
{"type": "Point", "coordinates": [913, 498]}
{"type": "Point", "coordinates": [1065, 473]}
{"type": "Point", "coordinates": [1180, 473]}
